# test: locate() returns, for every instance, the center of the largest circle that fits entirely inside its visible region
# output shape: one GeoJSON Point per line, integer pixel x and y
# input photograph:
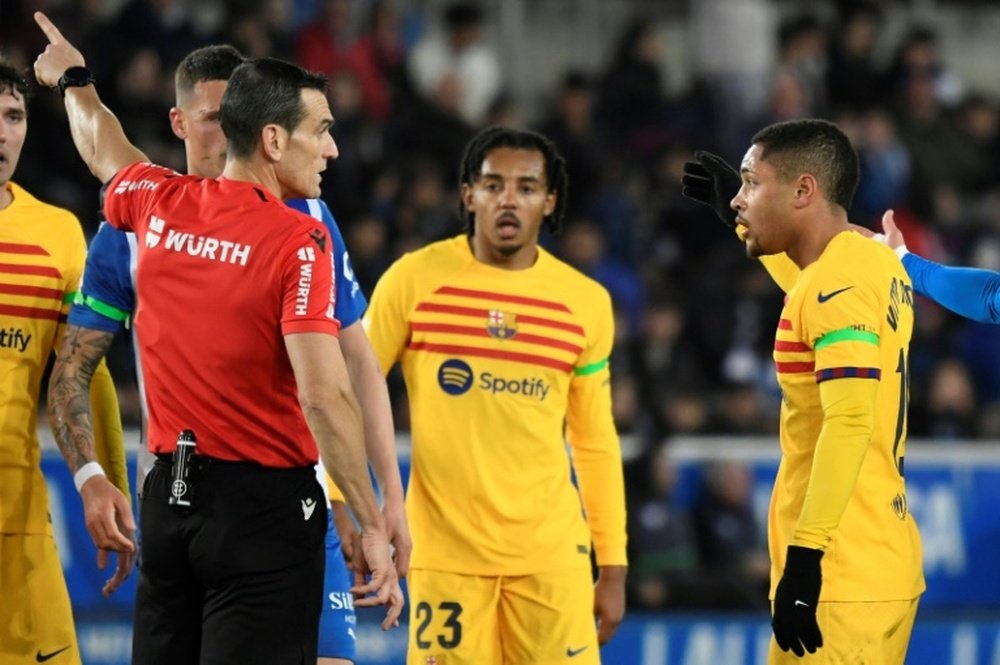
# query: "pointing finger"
{"type": "Point", "coordinates": [49, 28]}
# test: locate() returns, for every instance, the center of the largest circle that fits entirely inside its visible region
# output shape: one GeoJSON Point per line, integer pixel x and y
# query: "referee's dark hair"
{"type": "Point", "coordinates": [556, 180]}
{"type": "Point", "coordinates": [261, 92]}
{"type": "Point", "coordinates": [209, 63]}
{"type": "Point", "coordinates": [12, 82]}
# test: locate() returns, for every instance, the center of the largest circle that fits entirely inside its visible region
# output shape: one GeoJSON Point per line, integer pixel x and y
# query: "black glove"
{"type": "Point", "coordinates": [710, 180]}
{"type": "Point", "coordinates": [795, 599]}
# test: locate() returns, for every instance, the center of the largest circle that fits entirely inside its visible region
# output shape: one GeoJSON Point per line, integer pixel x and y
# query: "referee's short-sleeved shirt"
{"type": "Point", "coordinates": [225, 271]}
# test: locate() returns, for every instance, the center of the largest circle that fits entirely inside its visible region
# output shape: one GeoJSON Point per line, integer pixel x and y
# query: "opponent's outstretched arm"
{"type": "Point", "coordinates": [970, 292]}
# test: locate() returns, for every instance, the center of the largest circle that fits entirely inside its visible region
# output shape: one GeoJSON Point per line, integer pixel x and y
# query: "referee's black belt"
{"type": "Point", "coordinates": [203, 462]}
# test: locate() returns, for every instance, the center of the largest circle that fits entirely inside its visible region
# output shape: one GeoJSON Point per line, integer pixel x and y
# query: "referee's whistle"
{"type": "Point", "coordinates": [181, 489]}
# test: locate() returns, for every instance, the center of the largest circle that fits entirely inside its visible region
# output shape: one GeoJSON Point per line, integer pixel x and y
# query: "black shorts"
{"type": "Point", "coordinates": [238, 577]}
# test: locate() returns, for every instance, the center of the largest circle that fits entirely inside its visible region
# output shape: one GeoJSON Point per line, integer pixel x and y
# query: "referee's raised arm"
{"type": "Point", "coordinates": [98, 135]}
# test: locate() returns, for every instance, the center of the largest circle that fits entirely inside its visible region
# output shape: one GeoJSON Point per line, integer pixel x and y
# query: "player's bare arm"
{"type": "Point", "coordinates": [98, 135]}
{"type": "Point", "coordinates": [107, 512]}
{"type": "Point", "coordinates": [380, 438]}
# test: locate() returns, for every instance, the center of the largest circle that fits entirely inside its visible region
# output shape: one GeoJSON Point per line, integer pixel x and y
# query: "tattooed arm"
{"type": "Point", "coordinates": [106, 509]}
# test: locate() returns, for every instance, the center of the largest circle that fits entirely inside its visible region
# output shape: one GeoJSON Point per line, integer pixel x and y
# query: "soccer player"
{"type": "Point", "coordinates": [42, 252]}
{"type": "Point", "coordinates": [970, 292]}
{"type": "Point", "coordinates": [504, 350]}
{"type": "Point", "coordinates": [237, 333]}
{"type": "Point", "coordinates": [107, 303]}
{"type": "Point", "coordinates": [846, 571]}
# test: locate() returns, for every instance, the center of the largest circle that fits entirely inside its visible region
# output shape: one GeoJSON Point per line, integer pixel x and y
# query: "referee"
{"type": "Point", "coordinates": [238, 342]}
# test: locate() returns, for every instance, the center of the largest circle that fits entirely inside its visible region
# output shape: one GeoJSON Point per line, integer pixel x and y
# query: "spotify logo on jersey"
{"type": "Point", "coordinates": [455, 377]}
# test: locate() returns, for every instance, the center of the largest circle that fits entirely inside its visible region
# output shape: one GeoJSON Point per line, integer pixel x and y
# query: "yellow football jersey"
{"type": "Point", "coordinates": [502, 368]}
{"type": "Point", "coordinates": [42, 253]}
{"type": "Point", "coordinates": [848, 315]}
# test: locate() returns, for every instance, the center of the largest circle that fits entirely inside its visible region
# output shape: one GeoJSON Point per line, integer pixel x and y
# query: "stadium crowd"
{"type": "Point", "coordinates": [694, 318]}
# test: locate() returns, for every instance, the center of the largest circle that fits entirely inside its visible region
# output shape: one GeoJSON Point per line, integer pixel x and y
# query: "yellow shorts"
{"type": "Point", "coordinates": [36, 620]}
{"type": "Point", "coordinates": [538, 619]}
{"type": "Point", "coordinates": [863, 633]}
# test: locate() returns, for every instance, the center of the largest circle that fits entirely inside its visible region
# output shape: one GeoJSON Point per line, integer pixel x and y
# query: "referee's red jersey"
{"type": "Point", "coordinates": [225, 270]}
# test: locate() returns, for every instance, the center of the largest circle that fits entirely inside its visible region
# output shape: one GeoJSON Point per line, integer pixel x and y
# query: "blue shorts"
{"type": "Point", "coordinates": [337, 623]}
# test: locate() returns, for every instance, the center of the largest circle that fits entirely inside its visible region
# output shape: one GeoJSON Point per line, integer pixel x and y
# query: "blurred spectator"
{"type": "Point", "coordinates": [950, 410]}
{"type": "Point", "coordinates": [663, 355]}
{"type": "Point", "coordinates": [423, 212]}
{"type": "Point", "coordinates": [802, 55]}
{"type": "Point", "coordinates": [323, 44]}
{"type": "Point", "coordinates": [749, 330]}
{"type": "Point", "coordinates": [742, 410]}
{"type": "Point", "coordinates": [261, 30]}
{"type": "Point", "coordinates": [460, 61]}
{"type": "Point", "coordinates": [685, 409]}
{"type": "Point", "coordinates": [379, 56]}
{"type": "Point", "coordinates": [583, 247]}
{"type": "Point", "coordinates": [663, 558]}
{"type": "Point", "coordinates": [347, 181]}
{"type": "Point", "coordinates": [163, 26]}
{"type": "Point", "coordinates": [917, 57]}
{"type": "Point", "coordinates": [730, 540]}
{"type": "Point", "coordinates": [631, 106]}
{"type": "Point", "coordinates": [329, 45]}
{"type": "Point", "coordinates": [854, 81]}
{"type": "Point", "coordinates": [787, 99]}
{"type": "Point", "coordinates": [979, 350]}
{"type": "Point", "coordinates": [631, 416]}
{"type": "Point", "coordinates": [370, 257]}
{"type": "Point", "coordinates": [737, 85]}
{"type": "Point", "coordinates": [885, 167]}
{"type": "Point", "coordinates": [979, 121]}
{"type": "Point", "coordinates": [144, 88]}
{"type": "Point", "coordinates": [571, 127]}
{"type": "Point", "coordinates": [942, 156]}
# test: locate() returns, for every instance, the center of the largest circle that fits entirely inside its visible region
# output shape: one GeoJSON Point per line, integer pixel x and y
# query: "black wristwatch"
{"type": "Point", "coordinates": [75, 77]}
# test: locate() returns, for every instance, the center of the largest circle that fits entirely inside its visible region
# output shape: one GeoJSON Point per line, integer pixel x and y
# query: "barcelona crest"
{"type": "Point", "coordinates": [501, 325]}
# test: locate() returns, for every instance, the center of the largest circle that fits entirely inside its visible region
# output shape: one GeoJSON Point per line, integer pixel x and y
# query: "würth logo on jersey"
{"type": "Point", "coordinates": [202, 247]}
{"type": "Point", "coordinates": [154, 232]}
{"type": "Point", "coordinates": [307, 256]}
{"type": "Point", "coordinates": [135, 185]}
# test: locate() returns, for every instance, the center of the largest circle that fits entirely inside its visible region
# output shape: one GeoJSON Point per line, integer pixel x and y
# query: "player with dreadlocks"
{"type": "Point", "coordinates": [501, 344]}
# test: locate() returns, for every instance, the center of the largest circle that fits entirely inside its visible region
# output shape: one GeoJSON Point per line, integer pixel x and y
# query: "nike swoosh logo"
{"type": "Point", "coordinates": [823, 297]}
{"type": "Point", "coordinates": [799, 603]}
{"type": "Point", "coordinates": [575, 652]}
{"type": "Point", "coordinates": [42, 657]}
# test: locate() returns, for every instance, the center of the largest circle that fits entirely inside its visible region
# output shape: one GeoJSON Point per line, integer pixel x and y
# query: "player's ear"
{"type": "Point", "coordinates": [178, 123]}
{"type": "Point", "coordinates": [550, 203]}
{"type": "Point", "coordinates": [273, 140]}
{"type": "Point", "coordinates": [467, 196]}
{"type": "Point", "coordinates": [806, 189]}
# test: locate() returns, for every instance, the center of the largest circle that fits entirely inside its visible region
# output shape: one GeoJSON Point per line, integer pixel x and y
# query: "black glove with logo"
{"type": "Point", "coordinates": [795, 599]}
{"type": "Point", "coordinates": [710, 180]}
